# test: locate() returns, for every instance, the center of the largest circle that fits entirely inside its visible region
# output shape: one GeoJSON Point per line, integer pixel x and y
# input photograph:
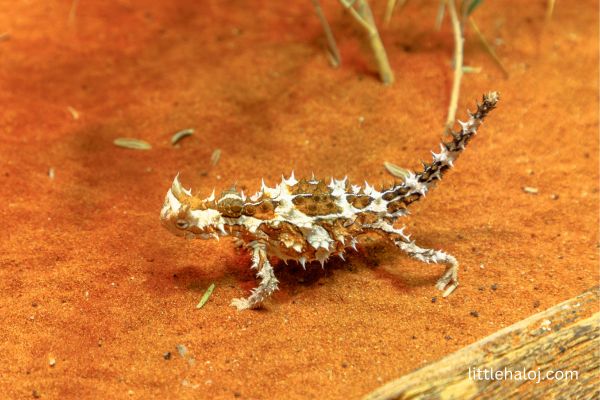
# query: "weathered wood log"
{"type": "Point", "coordinates": [563, 338]}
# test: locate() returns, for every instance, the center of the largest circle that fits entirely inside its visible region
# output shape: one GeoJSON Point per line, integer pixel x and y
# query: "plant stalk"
{"type": "Point", "coordinates": [334, 53]}
{"type": "Point", "coordinates": [458, 63]}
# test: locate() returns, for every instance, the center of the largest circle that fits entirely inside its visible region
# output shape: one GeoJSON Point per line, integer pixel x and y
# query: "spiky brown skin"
{"type": "Point", "coordinates": [310, 220]}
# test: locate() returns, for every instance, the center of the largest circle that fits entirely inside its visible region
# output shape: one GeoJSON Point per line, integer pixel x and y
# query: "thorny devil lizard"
{"type": "Point", "coordinates": [311, 220]}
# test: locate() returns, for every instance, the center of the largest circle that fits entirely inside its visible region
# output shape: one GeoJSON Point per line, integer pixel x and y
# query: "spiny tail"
{"type": "Point", "coordinates": [416, 185]}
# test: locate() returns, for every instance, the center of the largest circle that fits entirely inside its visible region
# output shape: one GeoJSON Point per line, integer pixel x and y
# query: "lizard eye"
{"type": "Point", "coordinates": [181, 224]}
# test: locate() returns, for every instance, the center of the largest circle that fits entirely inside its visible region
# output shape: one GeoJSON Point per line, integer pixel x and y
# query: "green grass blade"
{"type": "Point", "coordinates": [206, 295]}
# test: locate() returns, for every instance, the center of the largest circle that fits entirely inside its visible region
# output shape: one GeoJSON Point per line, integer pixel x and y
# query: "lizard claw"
{"type": "Point", "coordinates": [449, 281]}
{"type": "Point", "coordinates": [240, 304]}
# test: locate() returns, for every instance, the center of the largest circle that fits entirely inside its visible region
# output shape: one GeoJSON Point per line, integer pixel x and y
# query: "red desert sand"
{"type": "Point", "coordinates": [99, 300]}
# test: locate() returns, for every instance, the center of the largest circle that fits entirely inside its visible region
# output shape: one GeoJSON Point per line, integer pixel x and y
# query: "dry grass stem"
{"type": "Point", "coordinates": [490, 50]}
{"type": "Point", "coordinates": [348, 5]}
{"type": "Point", "coordinates": [391, 6]}
{"type": "Point", "coordinates": [73, 12]}
{"type": "Point", "coordinates": [439, 18]}
{"type": "Point", "coordinates": [550, 9]}
{"type": "Point", "coordinates": [215, 157]}
{"type": "Point", "coordinates": [458, 63]}
{"type": "Point", "coordinates": [363, 15]}
{"type": "Point", "coordinates": [389, 10]}
{"type": "Point", "coordinates": [334, 53]}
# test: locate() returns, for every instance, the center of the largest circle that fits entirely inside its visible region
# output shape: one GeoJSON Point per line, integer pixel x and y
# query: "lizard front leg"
{"type": "Point", "coordinates": [268, 281]}
{"type": "Point", "coordinates": [449, 280]}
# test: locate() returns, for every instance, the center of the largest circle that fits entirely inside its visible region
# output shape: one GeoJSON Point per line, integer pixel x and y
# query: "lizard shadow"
{"type": "Point", "coordinates": [163, 277]}
{"type": "Point", "coordinates": [371, 255]}
{"type": "Point", "coordinates": [235, 273]}
{"type": "Point", "coordinates": [293, 278]}
{"type": "Point", "coordinates": [381, 257]}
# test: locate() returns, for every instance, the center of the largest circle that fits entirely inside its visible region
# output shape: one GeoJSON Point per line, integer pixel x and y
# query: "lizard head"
{"type": "Point", "coordinates": [191, 217]}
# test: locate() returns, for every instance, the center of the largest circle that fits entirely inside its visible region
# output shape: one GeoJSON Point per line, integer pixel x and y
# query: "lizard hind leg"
{"type": "Point", "coordinates": [449, 280]}
{"type": "Point", "coordinates": [268, 281]}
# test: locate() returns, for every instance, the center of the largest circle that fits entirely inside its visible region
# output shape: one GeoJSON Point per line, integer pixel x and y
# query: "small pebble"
{"type": "Point", "coordinates": [448, 337]}
{"type": "Point", "coordinates": [481, 288]}
{"type": "Point", "coordinates": [237, 394]}
{"type": "Point", "coordinates": [35, 394]}
{"type": "Point", "coordinates": [474, 314]}
{"type": "Point", "coordinates": [494, 286]}
{"type": "Point", "coordinates": [52, 361]}
{"type": "Point", "coordinates": [536, 304]}
{"type": "Point", "coordinates": [344, 364]}
{"type": "Point", "coordinates": [554, 196]}
{"type": "Point", "coordinates": [167, 355]}
{"type": "Point", "coordinates": [433, 299]}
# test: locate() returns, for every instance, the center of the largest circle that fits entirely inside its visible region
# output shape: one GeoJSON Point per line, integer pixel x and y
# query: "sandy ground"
{"type": "Point", "coordinates": [91, 280]}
